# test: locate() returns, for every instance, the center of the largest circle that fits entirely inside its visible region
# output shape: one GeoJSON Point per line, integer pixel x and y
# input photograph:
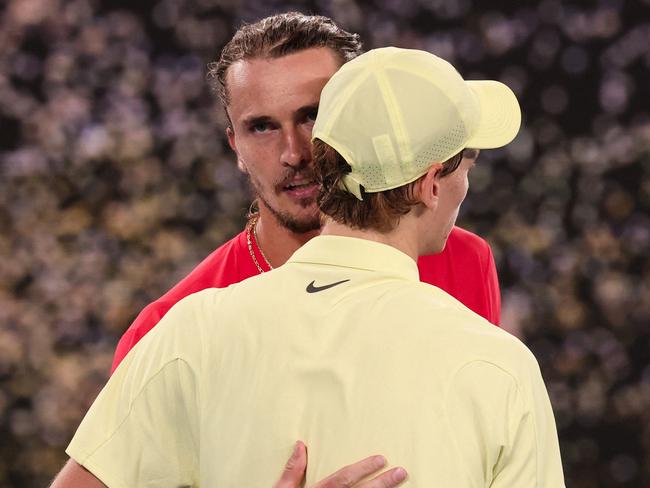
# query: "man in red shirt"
{"type": "Point", "coordinates": [269, 79]}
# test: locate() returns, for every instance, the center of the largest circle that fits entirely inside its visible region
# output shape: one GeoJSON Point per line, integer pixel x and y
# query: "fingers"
{"type": "Point", "coordinates": [349, 476]}
{"type": "Point", "coordinates": [294, 470]}
{"type": "Point", "coordinates": [389, 479]}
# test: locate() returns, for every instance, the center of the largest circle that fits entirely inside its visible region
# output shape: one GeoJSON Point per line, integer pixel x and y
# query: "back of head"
{"type": "Point", "coordinates": [280, 35]}
{"type": "Point", "coordinates": [379, 211]}
{"type": "Point", "coordinates": [387, 116]}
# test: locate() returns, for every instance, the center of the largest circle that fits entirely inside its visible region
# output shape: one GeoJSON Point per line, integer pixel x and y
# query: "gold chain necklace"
{"type": "Point", "coordinates": [251, 228]}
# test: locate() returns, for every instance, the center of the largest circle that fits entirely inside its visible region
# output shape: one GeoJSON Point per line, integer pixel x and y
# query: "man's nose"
{"type": "Point", "coordinates": [297, 148]}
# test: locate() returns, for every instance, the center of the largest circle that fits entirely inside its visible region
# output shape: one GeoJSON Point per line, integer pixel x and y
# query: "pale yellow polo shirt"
{"type": "Point", "coordinates": [368, 361]}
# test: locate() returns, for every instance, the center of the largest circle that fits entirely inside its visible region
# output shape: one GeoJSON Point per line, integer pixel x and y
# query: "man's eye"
{"type": "Point", "coordinates": [260, 127]}
{"type": "Point", "coordinates": [311, 116]}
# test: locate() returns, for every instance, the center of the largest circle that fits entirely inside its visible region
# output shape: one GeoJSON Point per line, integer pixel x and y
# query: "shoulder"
{"type": "Point", "coordinates": [178, 335]}
{"type": "Point", "coordinates": [464, 240]}
{"type": "Point", "coordinates": [219, 269]}
{"type": "Point", "coordinates": [194, 307]}
{"type": "Point", "coordinates": [495, 350]}
{"type": "Point", "coordinates": [463, 249]}
{"type": "Point", "coordinates": [456, 324]}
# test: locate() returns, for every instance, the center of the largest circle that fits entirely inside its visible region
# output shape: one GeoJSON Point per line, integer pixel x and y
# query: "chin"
{"type": "Point", "coordinates": [299, 222]}
{"type": "Point", "coordinates": [302, 226]}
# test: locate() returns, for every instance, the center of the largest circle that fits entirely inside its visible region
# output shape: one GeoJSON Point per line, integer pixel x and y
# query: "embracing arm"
{"type": "Point", "coordinates": [73, 475]}
{"type": "Point", "coordinates": [346, 477]}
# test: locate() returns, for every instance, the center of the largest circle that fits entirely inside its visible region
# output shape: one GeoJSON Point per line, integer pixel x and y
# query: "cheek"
{"type": "Point", "coordinates": [461, 189]}
{"type": "Point", "coordinates": [253, 156]}
{"type": "Point", "coordinates": [258, 163]}
{"type": "Point", "coordinates": [464, 191]}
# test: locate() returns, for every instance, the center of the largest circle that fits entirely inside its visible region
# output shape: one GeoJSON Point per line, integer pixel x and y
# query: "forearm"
{"type": "Point", "coordinates": [73, 475]}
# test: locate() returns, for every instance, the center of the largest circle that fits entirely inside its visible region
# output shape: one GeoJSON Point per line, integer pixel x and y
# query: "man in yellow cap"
{"type": "Point", "coordinates": [456, 401]}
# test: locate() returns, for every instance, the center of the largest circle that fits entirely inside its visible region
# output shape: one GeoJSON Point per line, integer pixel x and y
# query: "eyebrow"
{"type": "Point", "coordinates": [302, 111]}
{"type": "Point", "coordinates": [264, 119]}
{"type": "Point", "coordinates": [256, 119]}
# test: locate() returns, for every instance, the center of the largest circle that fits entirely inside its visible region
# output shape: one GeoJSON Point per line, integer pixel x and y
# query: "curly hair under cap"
{"type": "Point", "coordinates": [379, 211]}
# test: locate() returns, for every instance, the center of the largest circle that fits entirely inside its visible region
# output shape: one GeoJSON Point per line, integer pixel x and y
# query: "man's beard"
{"type": "Point", "coordinates": [285, 219]}
{"type": "Point", "coordinates": [288, 221]}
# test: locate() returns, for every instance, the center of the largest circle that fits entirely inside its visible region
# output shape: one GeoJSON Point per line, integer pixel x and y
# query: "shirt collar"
{"type": "Point", "coordinates": [352, 252]}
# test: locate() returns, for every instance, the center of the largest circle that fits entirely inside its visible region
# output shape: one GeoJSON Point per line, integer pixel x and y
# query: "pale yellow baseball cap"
{"type": "Point", "coordinates": [391, 113]}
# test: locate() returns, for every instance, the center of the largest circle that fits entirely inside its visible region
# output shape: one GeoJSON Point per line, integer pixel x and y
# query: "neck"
{"type": "Point", "coordinates": [278, 242]}
{"type": "Point", "coordinates": [403, 237]}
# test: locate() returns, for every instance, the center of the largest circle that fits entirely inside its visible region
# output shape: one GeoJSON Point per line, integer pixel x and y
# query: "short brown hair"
{"type": "Point", "coordinates": [277, 36]}
{"type": "Point", "coordinates": [379, 211]}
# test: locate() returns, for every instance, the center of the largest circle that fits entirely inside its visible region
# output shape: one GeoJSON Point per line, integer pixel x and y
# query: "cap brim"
{"type": "Point", "coordinates": [500, 117]}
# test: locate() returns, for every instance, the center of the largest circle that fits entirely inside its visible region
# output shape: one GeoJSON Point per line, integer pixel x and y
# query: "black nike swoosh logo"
{"type": "Point", "coordinates": [311, 288]}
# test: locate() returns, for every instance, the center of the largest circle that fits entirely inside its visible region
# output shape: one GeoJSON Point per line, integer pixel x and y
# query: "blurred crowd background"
{"type": "Point", "coordinates": [116, 179]}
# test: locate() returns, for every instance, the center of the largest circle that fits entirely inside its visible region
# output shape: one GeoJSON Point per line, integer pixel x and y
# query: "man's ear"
{"type": "Point", "coordinates": [233, 145]}
{"type": "Point", "coordinates": [429, 186]}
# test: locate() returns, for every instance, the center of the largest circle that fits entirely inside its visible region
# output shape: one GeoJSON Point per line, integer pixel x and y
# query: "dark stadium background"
{"type": "Point", "coordinates": [116, 179]}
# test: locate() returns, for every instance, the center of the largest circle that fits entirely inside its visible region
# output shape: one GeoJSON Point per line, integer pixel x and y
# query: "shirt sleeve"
{"type": "Point", "coordinates": [492, 291]}
{"type": "Point", "coordinates": [142, 430]}
{"type": "Point", "coordinates": [504, 427]}
{"type": "Point", "coordinates": [144, 322]}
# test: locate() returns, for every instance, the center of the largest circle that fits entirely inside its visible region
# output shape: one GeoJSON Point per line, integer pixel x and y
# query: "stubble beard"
{"type": "Point", "coordinates": [285, 219]}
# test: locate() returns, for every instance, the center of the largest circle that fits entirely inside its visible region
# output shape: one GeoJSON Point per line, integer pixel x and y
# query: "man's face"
{"type": "Point", "coordinates": [453, 189]}
{"type": "Point", "coordinates": [273, 106]}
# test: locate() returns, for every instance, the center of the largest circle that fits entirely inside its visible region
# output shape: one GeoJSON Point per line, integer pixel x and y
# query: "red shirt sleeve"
{"type": "Point", "coordinates": [230, 263]}
{"type": "Point", "coordinates": [493, 292]}
{"type": "Point", "coordinates": [465, 269]}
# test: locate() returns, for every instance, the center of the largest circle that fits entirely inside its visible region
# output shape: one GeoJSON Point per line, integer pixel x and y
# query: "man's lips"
{"type": "Point", "coordinates": [301, 189]}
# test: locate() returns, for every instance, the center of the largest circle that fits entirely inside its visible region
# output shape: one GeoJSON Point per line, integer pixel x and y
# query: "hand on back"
{"type": "Point", "coordinates": [347, 477]}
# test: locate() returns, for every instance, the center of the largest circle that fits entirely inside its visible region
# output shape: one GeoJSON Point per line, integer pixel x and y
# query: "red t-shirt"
{"type": "Point", "coordinates": [465, 270]}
